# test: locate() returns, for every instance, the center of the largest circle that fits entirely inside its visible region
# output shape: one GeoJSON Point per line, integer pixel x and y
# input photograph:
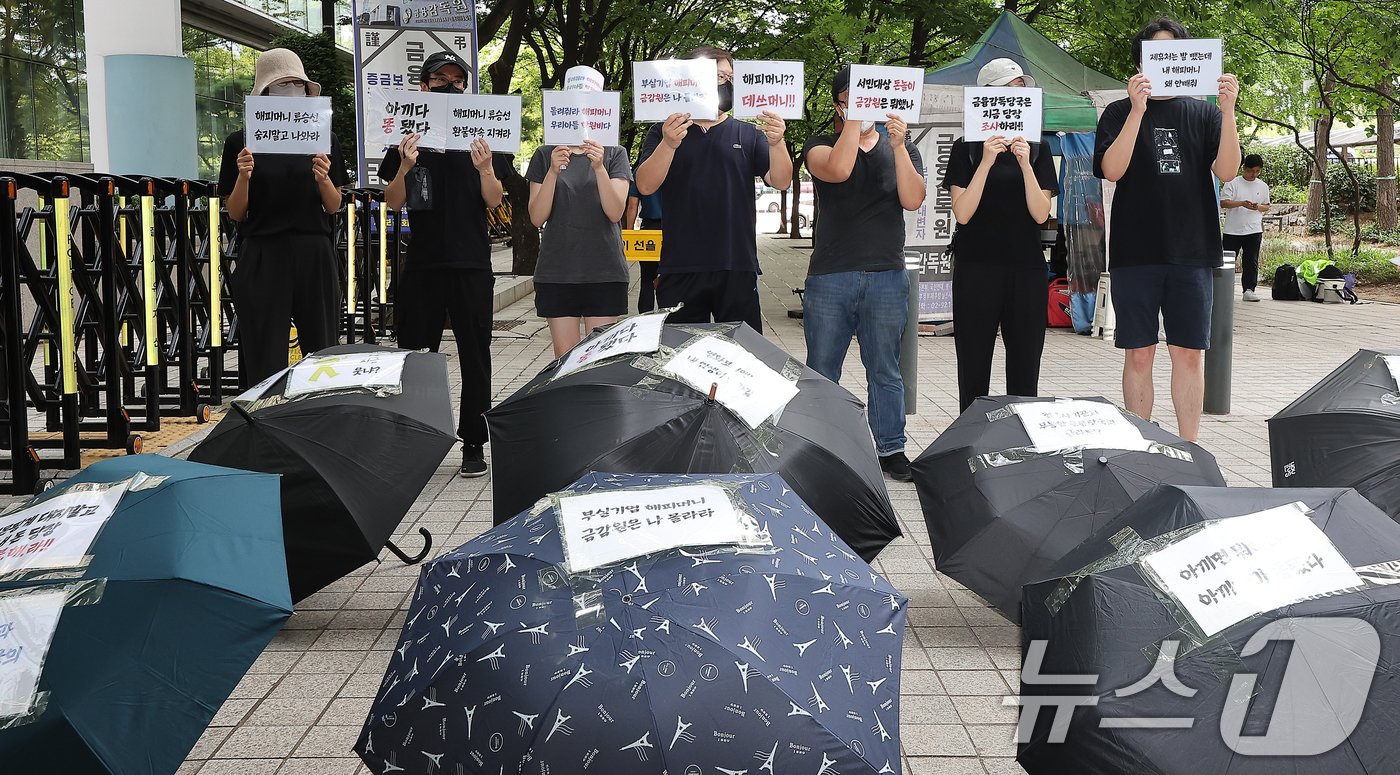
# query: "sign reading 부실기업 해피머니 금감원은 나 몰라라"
{"type": "Point", "coordinates": [666, 86]}
{"type": "Point", "coordinates": [1007, 111]}
{"type": "Point", "coordinates": [607, 526]}
{"type": "Point", "coordinates": [743, 384]}
{"type": "Point", "coordinates": [775, 85]}
{"type": "Point", "coordinates": [571, 117]}
{"type": "Point", "coordinates": [28, 619]}
{"type": "Point", "coordinates": [494, 118]}
{"type": "Point", "coordinates": [1190, 67]}
{"type": "Point", "coordinates": [291, 125]}
{"type": "Point", "coordinates": [878, 90]}
{"type": "Point", "coordinates": [634, 335]}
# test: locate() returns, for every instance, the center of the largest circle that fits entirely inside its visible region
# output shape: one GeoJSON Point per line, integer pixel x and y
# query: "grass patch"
{"type": "Point", "coordinates": [1371, 266]}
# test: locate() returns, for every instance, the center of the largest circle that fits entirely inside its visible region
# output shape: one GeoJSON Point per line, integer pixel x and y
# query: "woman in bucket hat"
{"type": "Point", "coordinates": [286, 269]}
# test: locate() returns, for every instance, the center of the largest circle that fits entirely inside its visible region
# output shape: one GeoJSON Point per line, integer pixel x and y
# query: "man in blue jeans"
{"type": "Point", "coordinates": [856, 284]}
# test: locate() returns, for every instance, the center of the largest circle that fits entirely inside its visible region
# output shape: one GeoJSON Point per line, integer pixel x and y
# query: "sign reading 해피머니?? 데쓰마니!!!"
{"type": "Point", "coordinates": [601, 528]}
{"type": "Point", "coordinates": [57, 532]}
{"type": "Point", "coordinates": [745, 385]}
{"type": "Point", "coordinates": [571, 117]}
{"type": "Point", "coordinates": [1190, 67]}
{"type": "Point", "coordinates": [1007, 111]}
{"type": "Point", "coordinates": [877, 90]}
{"type": "Point", "coordinates": [371, 371]}
{"type": "Point", "coordinates": [1057, 425]}
{"type": "Point", "coordinates": [494, 118]}
{"type": "Point", "coordinates": [775, 85]}
{"type": "Point", "coordinates": [1235, 568]}
{"type": "Point", "coordinates": [292, 125]}
{"type": "Point", "coordinates": [639, 334]}
{"type": "Point", "coordinates": [27, 623]}
{"type": "Point", "coordinates": [666, 86]}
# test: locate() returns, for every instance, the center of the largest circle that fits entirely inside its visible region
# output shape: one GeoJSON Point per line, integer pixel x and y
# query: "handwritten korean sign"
{"type": "Point", "coordinates": [57, 532]}
{"type": "Point", "coordinates": [877, 90]}
{"type": "Point", "coordinates": [1007, 111]}
{"type": "Point", "coordinates": [397, 113]}
{"type": "Point", "coordinates": [298, 125]}
{"type": "Point", "coordinates": [667, 86]}
{"type": "Point", "coordinates": [638, 334]}
{"type": "Point", "coordinates": [641, 244]}
{"type": "Point", "coordinates": [1057, 425]}
{"type": "Point", "coordinates": [570, 117]}
{"type": "Point", "coordinates": [768, 85]}
{"type": "Point", "coordinates": [1182, 67]}
{"type": "Point", "coordinates": [27, 623]}
{"type": "Point", "coordinates": [601, 528]}
{"type": "Point", "coordinates": [746, 386]}
{"type": "Point", "coordinates": [494, 118]}
{"type": "Point", "coordinates": [350, 371]}
{"type": "Point", "coordinates": [1242, 566]}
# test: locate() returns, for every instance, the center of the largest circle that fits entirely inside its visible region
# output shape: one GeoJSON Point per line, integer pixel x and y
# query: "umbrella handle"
{"type": "Point", "coordinates": [407, 560]}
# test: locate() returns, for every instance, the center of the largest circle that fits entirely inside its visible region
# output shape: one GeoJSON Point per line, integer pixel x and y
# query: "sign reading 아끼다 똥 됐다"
{"type": "Point", "coordinates": [1190, 67]}
{"type": "Point", "coordinates": [743, 384]}
{"type": "Point", "coordinates": [666, 86]}
{"type": "Point", "coordinates": [637, 334]}
{"type": "Point", "coordinates": [494, 118]}
{"type": "Point", "coordinates": [878, 90]}
{"type": "Point", "coordinates": [27, 623]}
{"type": "Point", "coordinates": [393, 114]}
{"type": "Point", "coordinates": [604, 527]}
{"type": "Point", "coordinates": [1058, 425]}
{"type": "Point", "coordinates": [57, 532]}
{"type": "Point", "coordinates": [1239, 567]}
{"type": "Point", "coordinates": [571, 117]}
{"type": "Point", "coordinates": [1007, 111]}
{"type": "Point", "coordinates": [291, 125]}
{"type": "Point", "coordinates": [641, 244]}
{"type": "Point", "coordinates": [370, 371]}
{"type": "Point", "coordinates": [775, 85]}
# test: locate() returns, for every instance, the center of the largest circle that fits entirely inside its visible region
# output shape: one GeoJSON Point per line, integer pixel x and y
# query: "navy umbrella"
{"type": "Point", "coordinates": [190, 582]}
{"type": "Point", "coordinates": [780, 660]}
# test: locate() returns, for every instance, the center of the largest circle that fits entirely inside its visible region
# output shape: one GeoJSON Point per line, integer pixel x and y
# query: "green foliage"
{"type": "Point", "coordinates": [1370, 265]}
{"type": "Point", "coordinates": [1284, 165]}
{"type": "Point", "coordinates": [1288, 193]}
{"type": "Point", "coordinates": [1373, 233]}
{"type": "Point", "coordinates": [318, 56]}
{"type": "Point", "coordinates": [1341, 191]}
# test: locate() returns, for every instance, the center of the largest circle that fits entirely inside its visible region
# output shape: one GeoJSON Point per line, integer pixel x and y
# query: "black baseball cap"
{"type": "Point", "coordinates": [841, 82]}
{"type": "Point", "coordinates": [440, 60]}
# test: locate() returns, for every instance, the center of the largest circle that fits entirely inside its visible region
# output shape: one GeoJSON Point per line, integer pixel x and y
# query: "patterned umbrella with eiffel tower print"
{"type": "Point", "coordinates": [560, 645]}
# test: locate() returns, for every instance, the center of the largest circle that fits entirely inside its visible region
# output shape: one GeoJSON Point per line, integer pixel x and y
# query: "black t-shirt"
{"type": "Point", "coordinates": [862, 223]}
{"type": "Point", "coordinates": [1164, 208]}
{"type": "Point", "coordinates": [282, 193]}
{"type": "Point", "coordinates": [709, 223]}
{"type": "Point", "coordinates": [453, 233]}
{"type": "Point", "coordinates": [1002, 230]}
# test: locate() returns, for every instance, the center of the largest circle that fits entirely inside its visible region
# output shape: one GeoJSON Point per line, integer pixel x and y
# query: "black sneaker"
{"type": "Point", "coordinates": [474, 463]}
{"type": "Point", "coordinates": [896, 466]}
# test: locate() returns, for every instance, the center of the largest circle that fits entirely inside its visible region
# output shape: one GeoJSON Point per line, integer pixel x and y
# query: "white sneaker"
{"type": "Point", "coordinates": [1251, 296]}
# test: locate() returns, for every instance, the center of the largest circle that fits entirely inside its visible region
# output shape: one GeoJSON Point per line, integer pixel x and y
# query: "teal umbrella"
{"type": "Point", "coordinates": [194, 586]}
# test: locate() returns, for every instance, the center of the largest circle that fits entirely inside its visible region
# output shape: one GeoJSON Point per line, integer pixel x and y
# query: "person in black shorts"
{"type": "Point", "coordinates": [704, 171]}
{"type": "Point", "coordinates": [1164, 235]}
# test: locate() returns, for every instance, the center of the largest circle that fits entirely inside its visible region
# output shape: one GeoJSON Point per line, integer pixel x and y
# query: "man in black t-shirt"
{"type": "Point", "coordinates": [1164, 236]}
{"type": "Point", "coordinates": [704, 171]}
{"type": "Point", "coordinates": [856, 285]}
{"type": "Point", "coordinates": [448, 268]}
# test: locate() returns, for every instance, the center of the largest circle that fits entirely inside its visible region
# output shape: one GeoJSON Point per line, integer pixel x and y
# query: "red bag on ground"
{"type": "Point", "coordinates": [1057, 310]}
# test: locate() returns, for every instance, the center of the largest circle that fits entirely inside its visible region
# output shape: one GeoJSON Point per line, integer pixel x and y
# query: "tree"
{"type": "Point", "coordinates": [318, 56]}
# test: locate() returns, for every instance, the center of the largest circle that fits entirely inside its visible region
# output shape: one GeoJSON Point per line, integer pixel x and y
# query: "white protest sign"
{"type": "Point", "coordinates": [27, 623]}
{"type": "Point", "coordinates": [1007, 111]}
{"type": "Point", "coordinates": [877, 90]}
{"type": "Point", "coordinates": [494, 118]}
{"type": "Point", "coordinates": [570, 117]}
{"type": "Point", "coordinates": [1235, 568]}
{"type": "Point", "coordinates": [639, 334]}
{"type": "Point", "coordinates": [1057, 425]}
{"type": "Point", "coordinates": [57, 532]}
{"type": "Point", "coordinates": [663, 87]}
{"type": "Point", "coordinates": [746, 386]}
{"type": "Point", "coordinates": [396, 113]}
{"type": "Point", "coordinates": [775, 85]}
{"type": "Point", "coordinates": [1392, 362]}
{"type": "Point", "coordinates": [255, 392]}
{"type": "Point", "coordinates": [350, 371]}
{"type": "Point", "coordinates": [601, 528]}
{"type": "Point", "coordinates": [299, 125]}
{"type": "Point", "coordinates": [1182, 67]}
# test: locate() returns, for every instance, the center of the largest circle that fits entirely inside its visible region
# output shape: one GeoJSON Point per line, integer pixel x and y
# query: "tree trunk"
{"type": "Point", "coordinates": [525, 238]}
{"type": "Point", "coordinates": [1322, 134]}
{"type": "Point", "coordinates": [1386, 215]}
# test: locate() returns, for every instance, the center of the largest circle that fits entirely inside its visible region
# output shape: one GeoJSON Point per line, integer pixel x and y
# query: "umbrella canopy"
{"type": "Point", "coordinates": [1345, 431]}
{"type": "Point", "coordinates": [999, 513]}
{"type": "Point", "coordinates": [1098, 613]}
{"type": "Point", "coordinates": [626, 414]}
{"type": "Point", "coordinates": [352, 461]}
{"type": "Point", "coordinates": [781, 659]}
{"type": "Point", "coordinates": [195, 585]}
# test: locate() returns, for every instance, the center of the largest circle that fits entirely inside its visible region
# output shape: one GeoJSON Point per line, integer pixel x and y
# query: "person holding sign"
{"type": "Point", "coordinates": [1164, 233]}
{"type": "Point", "coordinates": [704, 169]}
{"type": "Point", "coordinates": [448, 267]}
{"type": "Point", "coordinates": [578, 194]}
{"type": "Point", "coordinates": [856, 284]}
{"type": "Point", "coordinates": [1001, 189]}
{"type": "Point", "coordinates": [287, 267]}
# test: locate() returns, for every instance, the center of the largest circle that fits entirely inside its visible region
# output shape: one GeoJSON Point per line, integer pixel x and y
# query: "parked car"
{"type": "Point", "coordinates": [770, 200]}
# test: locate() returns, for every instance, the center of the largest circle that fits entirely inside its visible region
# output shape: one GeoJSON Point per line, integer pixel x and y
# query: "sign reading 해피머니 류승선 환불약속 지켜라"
{"type": "Point", "coordinates": [601, 528]}
{"type": "Point", "coordinates": [1007, 111]}
{"type": "Point", "coordinates": [878, 90]}
{"type": "Point", "coordinates": [743, 384]}
{"type": "Point", "coordinates": [663, 87]}
{"type": "Point", "coordinates": [291, 125]}
{"type": "Point", "coordinates": [1190, 67]}
{"type": "Point", "coordinates": [57, 532]}
{"type": "Point", "coordinates": [493, 118]}
{"type": "Point", "coordinates": [775, 85]}
{"type": "Point", "coordinates": [571, 117]}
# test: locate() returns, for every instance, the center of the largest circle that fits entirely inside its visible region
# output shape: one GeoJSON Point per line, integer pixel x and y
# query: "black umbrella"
{"type": "Point", "coordinates": [1097, 613]}
{"type": "Point", "coordinates": [352, 462]}
{"type": "Point", "coordinates": [999, 513]}
{"type": "Point", "coordinates": [1345, 432]}
{"type": "Point", "coordinates": [624, 415]}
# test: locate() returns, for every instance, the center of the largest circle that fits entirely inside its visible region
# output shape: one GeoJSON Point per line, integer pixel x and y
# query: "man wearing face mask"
{"type": "Point", "coordinates": [704, 171]}
{"type": "Point", "coordinates": [286, 267]}
{"type": "Point", "coordinates": [447, 272]}
{"type": "Point", "coordinates": [856, 284]}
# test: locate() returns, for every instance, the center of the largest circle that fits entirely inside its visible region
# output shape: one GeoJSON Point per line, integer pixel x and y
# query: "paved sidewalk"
{"type": "Point", "coordinates": [301, 707]}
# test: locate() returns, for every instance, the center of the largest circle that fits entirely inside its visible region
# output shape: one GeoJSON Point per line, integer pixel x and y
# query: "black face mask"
{"type": "Point", "coordinates": [726, 96]}
{"type": "Point", "coordinates": [446, 88]}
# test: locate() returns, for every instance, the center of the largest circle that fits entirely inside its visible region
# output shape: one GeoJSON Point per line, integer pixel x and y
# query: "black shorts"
{"type": "Point", "coordinates": [580, 300]}
{"type": "Point", "coordinates": [1181, 294]}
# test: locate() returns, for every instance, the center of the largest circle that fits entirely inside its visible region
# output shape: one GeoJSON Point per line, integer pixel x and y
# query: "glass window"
{"type": "Point", "coordinates": [43, 82]}
{"type": "Point", "coordinates": [223, 77]}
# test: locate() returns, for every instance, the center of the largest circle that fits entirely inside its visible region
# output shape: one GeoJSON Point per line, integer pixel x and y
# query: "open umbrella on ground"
{"type": "Point", "coordinates": [1268, 686]}
{"type": "Point", "coordinates": [780, 658]}
{"type": "Point", "coordinates": [1001, 507]}
{"type": "Point", "coordinates": [1345, 431]}
{"type": "Point", "coordinates": [629, 414]}
{"type": "Point", "coordinates": [185, 586]}
{"type": "Point", "coordinates": [353, 457]}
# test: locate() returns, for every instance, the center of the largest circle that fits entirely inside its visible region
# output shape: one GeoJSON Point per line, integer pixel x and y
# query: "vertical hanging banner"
{"type": "Point", "coordinates": [392, 40]}
{"type": "Point", "coordinates": [929, 230]}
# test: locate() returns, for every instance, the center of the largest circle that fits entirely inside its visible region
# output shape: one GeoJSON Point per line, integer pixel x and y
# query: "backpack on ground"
{"type": "Point", "coordinates": [1286, 284]}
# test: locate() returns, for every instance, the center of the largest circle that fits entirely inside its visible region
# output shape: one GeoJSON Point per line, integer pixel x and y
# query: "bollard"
{"type": "Point", "coordinates": [909, 346]}
{"type": "Point", "coordinates": [1222, 338]}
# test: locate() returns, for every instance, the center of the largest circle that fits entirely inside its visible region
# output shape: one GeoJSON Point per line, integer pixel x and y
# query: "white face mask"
{"type": "Point", "coordinates": [286, 90]}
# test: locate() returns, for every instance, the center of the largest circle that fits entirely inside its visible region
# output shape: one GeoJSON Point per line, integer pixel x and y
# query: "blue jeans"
{"type": "Point", "coordinates": [872, 306]}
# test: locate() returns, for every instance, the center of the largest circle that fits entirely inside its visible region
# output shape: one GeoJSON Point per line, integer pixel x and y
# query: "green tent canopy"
{"type": "Point", "coordinates": [1065, 81]}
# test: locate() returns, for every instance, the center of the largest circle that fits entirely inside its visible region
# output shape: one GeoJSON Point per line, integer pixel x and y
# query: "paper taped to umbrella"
{"type": "Point", "coordinates": [1059, 425]}
{"type": "Point", "coordinates": [629, 336]}
{"type": "Point", "coordinates": [373, 372]}
{"type": "Point", "coordinates": [742, 383]}
{"type": "Point", "coordinates": [28, 619]}
{"type": "Point", "coordinates": [57, 532]}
